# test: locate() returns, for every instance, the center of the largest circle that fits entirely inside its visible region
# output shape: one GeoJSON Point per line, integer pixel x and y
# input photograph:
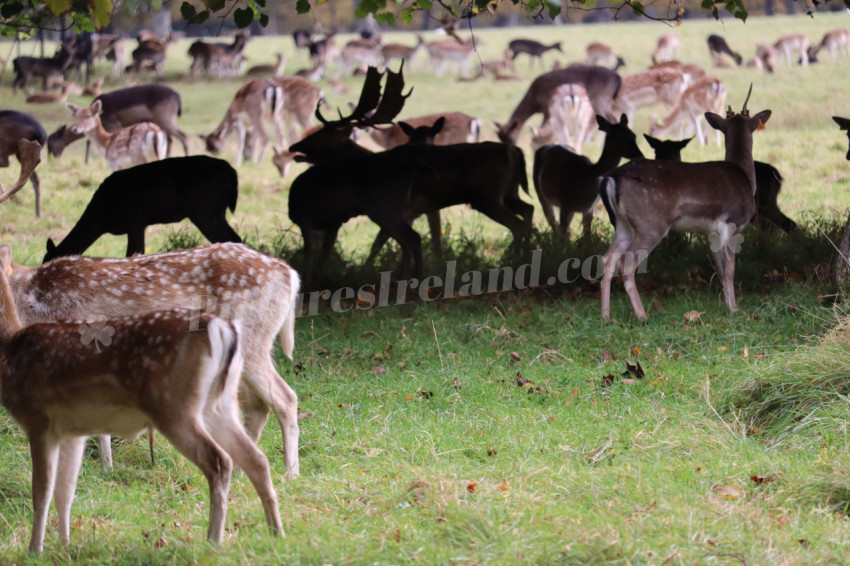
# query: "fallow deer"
{"type": "Point", "coordinates": [705, 95]}
{"type": "Point", "coordinates": [15, 126]}
{"type": "Point", "coordinates": [391, 51]}
{"type": "Point", "coordinates": [766, 57]}
{"type": "Point", "coordinates": [788, 44]}
{"type": "Point", "coordinates": [126, 147]}
{"type": "Point", "coordinates": [534, 49]}
{"type": "Point", "coordinates": [355, 58]}
{"type": "Point", "coordinates": [655, 86]}
{"type": "Point", "coordinates": [150, 54]}
{"type": "Point", "coordinates": [668, 44]}
{"type": "Point", "coordinates": [50, 97]}
{"type": "Point", "coordinates": [175, 370]}
{"type": "Point", "coordinates": [647, 199]}
{"type": "Point", "coordinates": [275, 70]}
{"type": "Point", "coordinates": [836, 42]}
{"type": "Point", "coordinates": [603, 55]}
{"type": "Point", "coordinates": [230, 280]}
{"type": "Point", "coordinates": [94, 88]}
{"type": "Point", "coordinates": [206, 56]}
{"type": "Point", "coordinates": [445, 51]}
{"type": "Point", "coordinates": [844, 124]}
{"type": "Point", "coordinates": [46, 68]}
{"type": "Point", "coordinates": [601, 85]}
{"type": "Point", "coordinates": [690, 71]}
{"type": "Point", "coordinates": [768, 182]}
{"type": "Point", "coordinates": [717, 48]}
{"type": "Point", "coordinates": [570, 181]}
{"type": "Point", "coordinates": [457, 128]}
{"type": "Point", "coordinates": [571, 119]}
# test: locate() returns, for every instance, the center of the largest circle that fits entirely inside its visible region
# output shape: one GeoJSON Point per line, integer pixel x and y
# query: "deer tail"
{"type": "Point", "coordinates": [475, 129]}
{"type": "Point", "coordinates": [287, 331]}
{"type": "Point", "coordinates": [224, 337]}
{"type": "Point", "coordinates": [610, 194]}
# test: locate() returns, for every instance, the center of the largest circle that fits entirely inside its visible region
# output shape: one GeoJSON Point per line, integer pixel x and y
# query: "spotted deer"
{"type": "Point", "coordinates": [836, 42]}
{"type": "Point", "coordinates": [571, 119]}
{"type": "Point", "coordinates": [647, 199]}
{"type": "Point", "coordinates": [668, 44]}
{"type": "Point", "coordinates": [451, 50]}
{"type": "Point", "coordinates": [14, 127]}
{"type": "Point", "coordinates": [174, 370]}
{"type": "Point", "coordinates": [655, 86]}
{"type": "Point", "coordinates": [231, 280]}
{"type": "Point", "coordinates": [601, 54]}
{"type": "Point", "coordinates": [126, 147]}
{"type": "Point", "coordinates": [788, 44]}
{"type": "Point", "coordinates": [705, 95]}
{"type": "Point", "coordinates": [406, 53]}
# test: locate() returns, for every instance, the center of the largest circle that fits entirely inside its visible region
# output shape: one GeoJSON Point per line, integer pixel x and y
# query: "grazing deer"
{"type": "Point", "coordinates": [230, 280]}
{"type": "Point", "coordinates": [357, 57]}
{"type": "Point", "coordinates": [392, 51]}
{"type": "Point", "coordinates": [134, 145]}
{"type": "Point", "coordinates": [717, 47]}
{"type": "Point", "coordinates": [765, 57]}
{"type": "Point", "coordinates": [601, 54]}
{"type": "Point", "coordinates": [600, 84]}
{"type": "Point", "coordinates": [279, 100]}
{"type": "Point", "coordinates": [149, 54]}
{"type": "Point", "coordinates": [198, 187]}
{"type": "Point", "coordinates": [647, 199]}
{"type": "Point", "coordinates": [788, 44]}
{"type": "Point", "coordinates": [15, 126]}
{"type": "Point", "coordinates": [655, 86]}
{"type": "Point", "coordinates": [451, 50]}
{"type": "Point", "coordinates": [844, 124]}
{"type": "Point", "coordinates": [705, 95]}
{"type": "Point", "coordinates": [768, 182]}
{"type": "Point", "coordinates": [275, 70]}
{"type": "Point", "coordinates": [836, 42]}
{"type": "Point", "coordinates": [50, 97]}
{"type": "Point", "coordinates": [571, 119]}
{"type": "Point", "coordinates": [174, 370]}
{"type": "Point", "coordinates": [668, 44]}
{"type": "Point", "coordinates": [534, 49]}
{"type": "Point", "coordinates": [690, 71]}
{"type": "Point", "coordinates": [46, 68]}
{"type": "Point", "coordinates": [207, 57]}
{"type": "Point", "coordinates": [570, 181]}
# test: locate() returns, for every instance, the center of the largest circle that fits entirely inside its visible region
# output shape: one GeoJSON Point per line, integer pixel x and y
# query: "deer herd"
{"type": "Point", "coordinates": [190, 333]}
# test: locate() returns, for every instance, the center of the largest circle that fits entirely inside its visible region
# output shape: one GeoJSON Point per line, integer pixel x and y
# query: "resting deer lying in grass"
{"type": "Point", "coordinates": [768, 182]}
{"type": "Point", "coordinates": [198, 187]}
{"type": "Point", "coordinates": [230, 280]}
{"type": "Point", "coordinates": [175, 370]}
{"type": "Point", "coordinates": [15, 126]}
{"type": "Point", "coordinates": [133, 145]}
{"type": "Point", "coordinates": [570, 181]}
{"type": "Point", "coordinates": [647, 199]}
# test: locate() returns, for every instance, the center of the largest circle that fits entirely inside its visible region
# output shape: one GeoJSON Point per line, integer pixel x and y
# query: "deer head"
{"type": "Point", "coordinates": [85, 118]}
{"type": "Point", "coordinates": [29, 153]}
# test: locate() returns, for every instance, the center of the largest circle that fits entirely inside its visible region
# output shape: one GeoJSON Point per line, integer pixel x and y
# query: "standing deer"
{"type": "Point", "coordinates": [647, 199]}
{"type": "Point", "coordinates": [788, 44]}
{"type": "Point", "coordinates": [664, 86]}
{"type": "Point", "coordinates": [601, 54]}
{"type": "Point", "coordinates": [451, 50]}
{"type": "Point", "coordinates": [600, 84]}
{"type": "Point", "coordinates": [534, 49]}
{"type": "Point", "coordinates": [571, 119]}
{"type": "Point", "coordinates": [668, 44]}
{"type": "Point", "coordinates": [15, 126]}
{"type": "Point", "coordinates": [46, 68]}
{"type": "Point", "coordinates": [717, 47]}
{"type": "Point", "coordinates": [570, 181]}
{"type": "Point", "coordinates": [173, 370]}
{"type": "Point", "coordinates": [134, 145]}
{"type": "Point", "coordinates": [392, 51]}
{"type": "Point", "coordinates": [705, 95]}
{"type": "Point", "coordinates": [836, 41]}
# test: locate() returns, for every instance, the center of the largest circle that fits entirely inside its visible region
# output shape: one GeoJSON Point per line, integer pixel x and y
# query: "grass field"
{"type": "Point", "coordinates": [487, 430]}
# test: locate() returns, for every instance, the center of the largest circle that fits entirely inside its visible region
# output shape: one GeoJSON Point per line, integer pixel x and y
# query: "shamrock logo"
{"type": "Point", "coordinates": [95, 330]}
{"type": "Point", "coordinates": [715, 240]}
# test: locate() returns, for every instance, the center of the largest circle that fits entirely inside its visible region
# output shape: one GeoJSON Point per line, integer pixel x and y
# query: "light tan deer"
{"type": "Point", "coordinates": [705, 95]}
{"type": "Point", "coordinates": [655, 86]}
{"type": "Point", "coordinates": [173, 370]}
{"type": "Point", "coordinates": [691, 71]}
{"type": "Point", "coordinates": [406, 53]}
{"type": "Point", "coordinates": [94, 88]}
{"type": "Point", "coordinates": [836, 42]}
{"type": "Point", "coordinates": [50, 97]}
{"type": "Point", "coordinates": [668, 44]}
{"type": "Point", "coordinates": [788, 44]}
{"type": "Point", "coordinates": [647, 199]}
{"type": "Point", "coordinates": [450, 50]}
{"type": "Point", "coordinates": [140, 143]}
{"type": "Point", "coordinates": [230, 280]}
{"type": "Point", "coordinates": [29, 154]}
{"type": "Point", "coordinates": [457, 128]}
{"type": "Point", "coordinates": [571, 119]}
{"type": "Point", "coordinates": [275, 70]}
{"type": "Point", "coordinates": [281, 100]}
{"type": "Point", "coordinates": [603, 55]}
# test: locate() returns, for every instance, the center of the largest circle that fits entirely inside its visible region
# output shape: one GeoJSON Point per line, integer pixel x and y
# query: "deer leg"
{"type": "Point", "coordinates": [36, 185]}
{"type": "Point", "coordinates": [566, 220]}
{"type": "Point", "coordinates": [586, 221]}
{"type": "Point", "coordinates": [622, 239]}
{"type": "Point", "coordinates": [223, 424]}
{"type": "Point", "coordinates": [88, 147]}
{"type": "Point", "coordinates": [436, 228]}
{"type": "Point", "coordinates": [70, 459]}
{"type": "Point", "coordinates": [45, 454]}
{"type": "Point", "coordinates": [500, 213]}
{"type": "Point", "coordinates": [549, 213]}
{"type": "Point", "coordinates": [215, 228]}
{"type": "Point", "coordinates": [255, 411]}
{"type": "Point", "coordinates": [104, 449]}
{"type": "Point", "coordinates": [380, 241]}
{"type": "Point", "coordinates": [641, 246]}
{"type": "Point", "coordinates": [136, 240]}
{"type": "Point", "coordinates": [191, 440]}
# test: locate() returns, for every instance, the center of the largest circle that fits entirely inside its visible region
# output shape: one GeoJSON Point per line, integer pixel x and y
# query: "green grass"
{"type": "Point", "coordinates": [417, 444]}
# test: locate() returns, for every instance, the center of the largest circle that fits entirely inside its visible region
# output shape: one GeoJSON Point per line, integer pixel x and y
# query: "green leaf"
{"type": "Point", "coordinates": [385, 18]}
{"type": "Point", "coordinates": [156, 5]}
{"type": "Point", "coordinates": [215, 5]}
{"type": "Point", "coordinates": [188, 12]}
{"type": "Point", "coordinates": [243, 17]}
{"type": "Point", "coordinates": [637, 8]}
{"type": "Point", "coordinates": [101, 11]}
{"type": "Point", "coordinates": [264, 20]}
{"type": "Point", "coordinates": [302, 6]}
{"type": "Point", "coordinates": [58, 6]}
{"type": "Point", "coordinates": [8, 10]}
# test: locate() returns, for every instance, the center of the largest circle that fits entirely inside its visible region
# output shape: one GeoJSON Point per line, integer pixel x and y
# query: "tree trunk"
{"type": "Point", "coordinates": [769, 7]}
{"type": "Point", "coordinates": [162, 22]}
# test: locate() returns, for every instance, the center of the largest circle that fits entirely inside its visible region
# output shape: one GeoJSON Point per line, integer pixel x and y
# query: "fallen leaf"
{"type": "Point", "coordinates": [760, 480]}
{"type": "Point", "coordinates": [470, 487]}
{"type": "Point", "coordinates": [503, 486]}
{"type": "Point", "coordinates": [635, 371]}
{"type": "Point", "coordinates": [425, 394]}
{"type": "Point", "coordinates": [728, 491]}
{"type": "Point", "coordinates": [302, 416]}
{"type": "Point", "coordinates": [635, 351]}
{"type": "Point", "coordinates": [521, 381]}
{"type": "Point", "coordinates": [628, 381]}
{"type": "Point", "coordinates": [515, 357]}
{"type": "Point", "coordinates": [574, 393]}
{"type": "Point", "coordinates": [456, 383]}
{"type": "Point", "coordinates": [693, 316]}
{"type": "Point", "coordinates": [608, 380]}
{"type": "Point", "coordinates": [409, 397]}
{"type": "Point", "coordinates": [491, 453]}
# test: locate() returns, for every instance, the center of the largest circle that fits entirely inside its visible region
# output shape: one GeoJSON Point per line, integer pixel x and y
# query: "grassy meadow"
{"type": "Point", "coordinates": [499, 429]}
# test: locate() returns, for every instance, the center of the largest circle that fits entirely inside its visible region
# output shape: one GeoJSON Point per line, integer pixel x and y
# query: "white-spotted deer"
{"type": "Point", "coordinates": [406, 53]}
{"type": "Point", "coordinates": [445, 51]}
{"type": "Point", "coordinates": [133, 145]}
{"type": "Point", "coordinates": [174, 370]}
{"type": "Point", "coordinates": [705, 95]}
{"type": "Point", "coordinates": [601, 54]}
{"type": "Point", "coordinates": [655, 86]}
{"type": "Point", "coordinates": [230, 280]}
{"type": "Point", "coordinates": [570, 181]}
{"type": "Point", "coordinates": [647, 199]}
{"type": "Point", "coordinates": [571, 119]}
{"type": "Point", "coordinates": [668, 44]}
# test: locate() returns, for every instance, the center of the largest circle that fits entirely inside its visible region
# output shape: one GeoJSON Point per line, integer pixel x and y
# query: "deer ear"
{"type": "Point", "coordinates": [96, 106]}
{"type": "Point", "coordinates": [682, 144]}
{"type": "Point", "coordinates": [438, 125]}
{"type": "Point", "coordinates": [624, 120]}
{"type": "Point", "coordinates": [715, 121]}
{"type": "Point", "coordinates": [761, 118]}
{"type": "Point", "coordinates": [843, 123]}
{"type": "Point", "coordinates": [72, 107]}
{"type": "Point", "coordinates": [653, 142]}
{"type": "Point", "coordinates": [406, 128]}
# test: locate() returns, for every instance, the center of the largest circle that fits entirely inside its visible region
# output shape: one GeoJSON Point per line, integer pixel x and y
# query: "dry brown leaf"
{"type": "Point", "coordinates": [503, 486]}
{"type": "Point", "coordinates": [728, 491]}
{"type": "Point", "coordinates": [470, 487]}
{"type": "Point", "coordinates": [693, 316]}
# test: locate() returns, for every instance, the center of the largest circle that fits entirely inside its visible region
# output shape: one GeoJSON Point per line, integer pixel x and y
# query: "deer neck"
{"type": "Point", "coordinates": [9, 321]}
{"type": "Point", "coordinates": [609, 159]}
{"type": "Point", "coordinates": [98, 134]}
{"type": "Point", "coordinates": [739, 150]}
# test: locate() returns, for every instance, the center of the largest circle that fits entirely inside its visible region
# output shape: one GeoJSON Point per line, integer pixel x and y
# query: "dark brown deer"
{"type": "Point", "coordinates": [600, 83]}
{"type": "Point", "coordinates": [717, 47]}
{"type": "Point", "coordinates": [15, 126]}
{"type": "Point", "coordinates": [534, 49]}
{"type": "Point", "coordinates": [44, 67]}
{"type": "Point", "coordinates": [570, 181]}
{"type": "Point", "coordinates": [150, 54]}
{"type": "Point", "coordinates": [198, 187]}
{"type": "Point", "coordinates": [127, 106]}
{"type": "Point", "coordinates": [647, 199]}
{"type": "Point", "coordinates": [768, 181]}
{"type": "Point", "coordinates": [844, 124]}
{"type": "Point", "coordinates": [204, 55]}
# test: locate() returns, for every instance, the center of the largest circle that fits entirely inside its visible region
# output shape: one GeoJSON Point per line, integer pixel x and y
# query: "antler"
{"type": "Point", "coordinates": [393, 100]}
{"type": "Point", "coordinates": [369, 97]}
{"type": "Point", "coordinates": [744, 111]}
{"type": "Point", "coordinates": [385, 107]}
{"type": "Point", "coordinates": [30, 156]}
